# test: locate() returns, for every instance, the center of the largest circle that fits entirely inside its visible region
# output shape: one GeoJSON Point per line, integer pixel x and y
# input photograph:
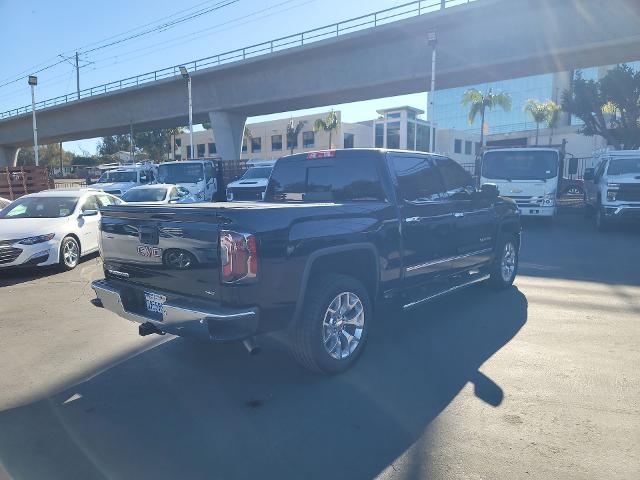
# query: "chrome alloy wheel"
{"type": "Point", "coordinates": [70, 253]}
{"type": "Point", "coordinates": [508, 263]}
{"type": "Point", "coordinates": [343, 325]}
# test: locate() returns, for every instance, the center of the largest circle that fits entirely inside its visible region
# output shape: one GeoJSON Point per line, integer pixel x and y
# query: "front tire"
{"type": "Point", "coordinates": [69, 253]}
{"type": "Point", "coordinates": [332, 331]}
{"type": "Point", "coordinates": [505, 264]}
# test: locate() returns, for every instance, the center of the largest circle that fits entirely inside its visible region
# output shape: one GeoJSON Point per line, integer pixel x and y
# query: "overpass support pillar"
{"type": "Point", "coordinates": [228, 130]}
{"type": "Point", "coordinates": [8, 156]}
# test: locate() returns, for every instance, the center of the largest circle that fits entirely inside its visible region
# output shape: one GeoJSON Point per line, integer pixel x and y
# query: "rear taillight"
{"type": "Point", "coordinates": [238, 257]}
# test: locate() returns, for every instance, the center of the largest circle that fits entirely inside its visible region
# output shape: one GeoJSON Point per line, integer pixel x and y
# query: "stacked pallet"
{"type": "Point", "coordinates": [18, 181]}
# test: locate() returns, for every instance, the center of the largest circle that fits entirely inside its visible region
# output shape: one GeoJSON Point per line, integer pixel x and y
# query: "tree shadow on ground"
{"type": "Point", "coordinates": [191, 410]}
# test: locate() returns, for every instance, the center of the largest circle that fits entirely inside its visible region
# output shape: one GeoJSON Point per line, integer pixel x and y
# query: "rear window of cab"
{"type": "Point", "coordinates": [306, 180]}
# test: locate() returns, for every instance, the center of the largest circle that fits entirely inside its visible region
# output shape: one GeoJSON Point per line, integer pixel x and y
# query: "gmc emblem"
{"type": "Point", "coordinates": [149, 252]}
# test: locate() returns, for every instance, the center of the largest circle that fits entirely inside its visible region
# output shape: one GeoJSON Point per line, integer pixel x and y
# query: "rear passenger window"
{"type": "Point", "coordinates": [454, 176]}
{"type": "Point", "coordinates": [418, 179]}
{"type": "Point", "coordinates": [336, 180]}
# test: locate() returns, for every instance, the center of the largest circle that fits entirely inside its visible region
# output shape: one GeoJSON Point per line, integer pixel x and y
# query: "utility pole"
{"type": "Point", "coordinates": [61, 163]}
{"type": "Point", "coordinates": [33, 81]}
{"type": "Point", "coordinates": [131, 148]}
{"type": "Point", "coordinates": [185, 74]}
{"type": "Point", "coordinates": [77, 76]}
{"type": "Point", "coordinates": [433, 41]}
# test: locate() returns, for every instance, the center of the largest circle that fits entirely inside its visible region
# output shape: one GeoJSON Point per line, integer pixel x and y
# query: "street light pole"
{"type": "Point", "coordinates": [185, 75]}
{"type": "Point", "coordinates": [33, 81]}
{"type": "Point", "coordinates": [433, 41]}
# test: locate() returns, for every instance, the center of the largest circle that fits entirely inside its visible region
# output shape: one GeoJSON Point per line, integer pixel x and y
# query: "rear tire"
{"type": "Point", "coordinates": [332, 330]}
{"type": "Point", "coordinates": [505, 264]}
{"type": "Point", "coordinates": [69, 254]}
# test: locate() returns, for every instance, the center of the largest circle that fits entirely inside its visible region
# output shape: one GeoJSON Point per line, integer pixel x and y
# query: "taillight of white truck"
{"type": "Point", "coordinates": [238, 257]}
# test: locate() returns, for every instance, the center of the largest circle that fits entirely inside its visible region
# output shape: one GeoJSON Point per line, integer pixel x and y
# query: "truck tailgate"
{"type": "Point", "coordinates": [163, 248]}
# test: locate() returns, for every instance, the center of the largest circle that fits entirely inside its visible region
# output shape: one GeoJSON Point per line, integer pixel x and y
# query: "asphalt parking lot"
{"type": "Point", "coordinates": [540, 381]}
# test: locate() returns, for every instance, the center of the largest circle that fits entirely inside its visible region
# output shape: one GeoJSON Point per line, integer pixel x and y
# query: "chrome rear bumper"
{"type": "Point", "coordinates": [182, 318]}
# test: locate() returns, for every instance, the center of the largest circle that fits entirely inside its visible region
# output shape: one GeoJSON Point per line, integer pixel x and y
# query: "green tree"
{"type": "Point", "coordinates": [538, 112]}
{"type": "Point", "coordinates": [293, 131]}
{"type": "Point", "coordinates": [553, 114]}
{"type": "Point", "coordinates": [329, 124]}
{"type": "Point", "coordinates": [113, 144]}
{"type": "Point", "coordinates": [479, 102]}
{"type": "Point", "coordinates": [48, 155]}
{"type": "Point", "coordinates": [609, 107]}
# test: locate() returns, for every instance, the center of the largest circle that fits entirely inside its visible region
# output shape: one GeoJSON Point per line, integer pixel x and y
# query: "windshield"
{"type": "Point", "coordinates": [114, 176]}
{"type": "Point", "coordinates": [622, 166]}
{"type": "Point", "coordinates": [181, 173]}
{"type": "Point", "coordinates": [520, 165]}
{"type": "Point", "coordinates": [145, 195]}
{"type": "Point", "coordinates": [40, 207]}
{"type": "Point", "coordinates": [257, 172]}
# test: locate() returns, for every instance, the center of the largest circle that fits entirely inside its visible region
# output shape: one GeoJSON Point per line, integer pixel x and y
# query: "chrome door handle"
{"type": "Point", "coordinates": [458, 214]}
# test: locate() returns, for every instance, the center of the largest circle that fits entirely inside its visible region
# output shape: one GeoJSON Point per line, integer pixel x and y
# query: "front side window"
{"type": "Point", "coordinates": [455, 177]}
{"type": "Point", "coordinates": [209, 171]}
{"type": "Point", "coordinates": [256, 144]}
{"type": "Point", "coordinates": [276, 143]}
{"type": "Point", "coordinates": [118, 177]}
{"type": "Point", "coordinates": [308, 139]}
{"type": "Point", "coordinates": [91, 203]}
{"type": "Point", "coordinates": [418, 180]}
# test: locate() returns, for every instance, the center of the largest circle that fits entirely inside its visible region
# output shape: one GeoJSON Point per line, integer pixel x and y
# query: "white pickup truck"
{"type": "Point", "coordinates": [118, 181]}
{"type": "Point", "coordinates": [612, 188]}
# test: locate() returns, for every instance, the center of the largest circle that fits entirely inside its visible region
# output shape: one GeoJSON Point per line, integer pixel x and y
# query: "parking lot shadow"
{"type": "Point", "coordinates": [14, 276]}
{"type": "Point", "coordinates": [192, 410]}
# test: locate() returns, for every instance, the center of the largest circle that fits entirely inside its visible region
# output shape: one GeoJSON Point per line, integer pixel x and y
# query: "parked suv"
{"type": "Point", "coordinates": [338, 231]}
{"type": "Point", "coordinates": [612, 188]}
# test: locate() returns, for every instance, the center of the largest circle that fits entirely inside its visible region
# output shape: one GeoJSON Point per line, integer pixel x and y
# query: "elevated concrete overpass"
{"type": "Point", "coordinates": [480, 41]}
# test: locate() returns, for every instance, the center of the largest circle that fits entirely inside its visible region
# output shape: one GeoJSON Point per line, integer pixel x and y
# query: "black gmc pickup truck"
{"type": "Point", "coordinates": [338, 230]}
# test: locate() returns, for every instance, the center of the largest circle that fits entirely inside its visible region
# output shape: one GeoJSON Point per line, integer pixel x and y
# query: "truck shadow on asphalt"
{"type": "Point", "coordinates": [193, 410]}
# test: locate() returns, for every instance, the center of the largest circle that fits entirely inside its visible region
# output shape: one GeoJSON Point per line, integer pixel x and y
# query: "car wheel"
{"type": "Point", "coordinates": [601, 222]}
{"type": "Point", "coordinates": [505, 264]}
{"type": "Point", "coordinates": [69, 253]}
{"type": "Point", "coordinates": [332, 330]}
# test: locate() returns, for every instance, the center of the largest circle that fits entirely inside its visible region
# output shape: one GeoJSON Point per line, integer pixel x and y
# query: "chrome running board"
{"type": "Point", "coordinates": [411, 305]}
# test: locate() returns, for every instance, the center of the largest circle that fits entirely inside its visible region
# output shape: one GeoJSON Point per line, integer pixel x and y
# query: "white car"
{"type": "Point", "coordinates": [51, 227]}
{"type": "Point", "coordinates": [252, 185]}
{"type": "Point", "coordinates": [158, 194]}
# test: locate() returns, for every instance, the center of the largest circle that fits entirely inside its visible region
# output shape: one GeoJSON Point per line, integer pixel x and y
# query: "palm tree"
{"type": "Point", "coordinates": [480, 102]}
{"type": "Point", "coordinates": [538, 112]}
{"type": "Point", "coordinates": [293, 131]}
{"type": "Point", "coordinates": [328, 124]}
{"type": "Point", "coordinates": [553, 112]}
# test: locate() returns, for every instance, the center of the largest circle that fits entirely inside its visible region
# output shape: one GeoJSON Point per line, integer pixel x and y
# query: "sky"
{"type": "Point", "coordinates": [45, 32]}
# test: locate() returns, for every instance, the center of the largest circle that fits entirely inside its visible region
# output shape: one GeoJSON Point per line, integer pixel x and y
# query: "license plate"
{"type": "Point", "coordinates": [154, 302]}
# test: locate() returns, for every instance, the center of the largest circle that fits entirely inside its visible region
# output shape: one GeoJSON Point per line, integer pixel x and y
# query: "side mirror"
{"type": "Point", "coordinates": [490, 190]}
{"type": "Point", "coordinates": [589, 174]}
{"type": "Point", "coordinates": [89, 213]}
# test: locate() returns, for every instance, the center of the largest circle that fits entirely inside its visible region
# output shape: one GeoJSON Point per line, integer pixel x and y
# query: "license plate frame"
{"type": "Point", "coordinates": [154, 302]}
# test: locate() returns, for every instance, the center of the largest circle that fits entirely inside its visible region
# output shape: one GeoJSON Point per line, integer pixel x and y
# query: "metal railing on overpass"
{"type": "Point", "coordinates": [363, 22]}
